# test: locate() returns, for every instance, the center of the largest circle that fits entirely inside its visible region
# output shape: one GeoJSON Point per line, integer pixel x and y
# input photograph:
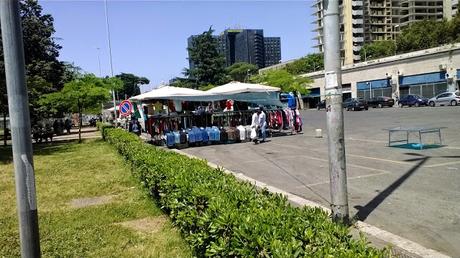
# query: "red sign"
{"type": "Point", "coordinates": [125, 108]}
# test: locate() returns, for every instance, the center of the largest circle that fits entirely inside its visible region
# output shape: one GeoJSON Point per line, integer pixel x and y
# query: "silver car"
{"type": "Point", "coordinates": [444, 99]}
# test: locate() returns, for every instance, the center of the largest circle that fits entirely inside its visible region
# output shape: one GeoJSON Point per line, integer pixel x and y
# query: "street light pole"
{"type": "Point", "coordinates": [99, 61]}
{"type": "Point", "coordinates": [20, 127]}
{"type": "Point", "coordinates": [333, 87]}
{"type": "Point", "coordinates": [371, 95]}
{"type": "Point", "coordinates": [110, 57]}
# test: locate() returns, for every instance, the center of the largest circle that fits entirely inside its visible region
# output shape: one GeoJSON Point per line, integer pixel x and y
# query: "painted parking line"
{"type": "Point", "coordinates": [352, 155]}
{"type": "Point", "coordinates": [442, 164]}
{"type": "Point", "coordinates": [348, 178]}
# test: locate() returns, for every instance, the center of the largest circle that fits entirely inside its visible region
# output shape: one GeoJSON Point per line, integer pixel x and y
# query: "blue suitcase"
{"type": "Point", "coordinates": [170, 140]}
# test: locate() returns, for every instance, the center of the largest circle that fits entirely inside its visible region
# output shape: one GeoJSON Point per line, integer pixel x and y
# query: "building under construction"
{"type": "Point", "coordinates": [365, 21]}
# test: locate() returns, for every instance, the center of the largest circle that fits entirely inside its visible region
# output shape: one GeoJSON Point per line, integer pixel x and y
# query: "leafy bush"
{"type": "Point", "coordinates": [221, 216]}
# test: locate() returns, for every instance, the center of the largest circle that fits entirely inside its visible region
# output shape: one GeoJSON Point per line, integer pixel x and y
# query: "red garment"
{"type": "Point", "coordinates": [229, 104]}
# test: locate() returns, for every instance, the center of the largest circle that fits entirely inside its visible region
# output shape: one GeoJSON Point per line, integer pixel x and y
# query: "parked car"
{"type": "Point", "coordinates": [355, 104]}
{"type": "Point", "coordinates": [381, 102]}
{"type": "Point", "coordinates": [321, 105]}
{"type": "Point", "coordinates": [413, 100]}
{"type": "Point", "coordinates": [444, 99]}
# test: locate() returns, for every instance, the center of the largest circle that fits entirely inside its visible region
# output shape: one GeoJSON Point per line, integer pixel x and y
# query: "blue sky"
{"type": "Point", "coordinates": [149, 38]}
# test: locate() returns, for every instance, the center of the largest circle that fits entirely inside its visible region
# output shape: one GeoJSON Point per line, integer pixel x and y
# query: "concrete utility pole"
{"type": "Point", "coordinates": [110, 58]}
{"type": "Point", "coordinates": [333, 78]}
{"type": "Point", "coordinates": [20, 127]}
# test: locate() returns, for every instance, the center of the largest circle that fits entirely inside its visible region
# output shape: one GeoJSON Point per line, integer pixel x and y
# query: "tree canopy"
{"type": "Point", "coordinates": [377, 49]}
{"type": "Point", "coordinates": [209, 64]}
{"type": "Point", "coordinates": [131, 84]}
{"type": "Point", "coordinates": [241, 71]}
{"type": "Point", "coordinates": [417, 36]}
{"type": "Point", "coordinates": [83, 94]}
{"type": "Point", "coordinates": [45, 73]}
{"type": "Point", "coordinates": [306, 64]}
{"type": "Point", "coordinates": [284, 80]}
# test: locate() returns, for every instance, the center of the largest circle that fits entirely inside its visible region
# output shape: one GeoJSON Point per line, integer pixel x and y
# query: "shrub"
{"type": "Point", "coordinates": [221, 216]}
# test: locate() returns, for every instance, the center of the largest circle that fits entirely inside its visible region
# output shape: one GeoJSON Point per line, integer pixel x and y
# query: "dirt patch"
{"type": "Point", "coordinates": [146, 225]}
{"type": "Point", "coordinates": [85, 202]}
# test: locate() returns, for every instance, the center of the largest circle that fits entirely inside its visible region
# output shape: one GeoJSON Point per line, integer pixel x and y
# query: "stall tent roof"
{"type": "Point", "coordinates": [169, 92]}
{"type": "Point", "coordinates": [239, 87]}
{"type": "Point", "coordinates": [255, 93]}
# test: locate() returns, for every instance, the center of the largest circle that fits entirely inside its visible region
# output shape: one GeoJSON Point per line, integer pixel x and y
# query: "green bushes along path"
{"type": "Point", "coordinates": [221, 216]}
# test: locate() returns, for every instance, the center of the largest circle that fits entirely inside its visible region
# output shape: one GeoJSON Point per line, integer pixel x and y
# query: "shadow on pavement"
{"type": "Point", "coordinates": [364, 211]}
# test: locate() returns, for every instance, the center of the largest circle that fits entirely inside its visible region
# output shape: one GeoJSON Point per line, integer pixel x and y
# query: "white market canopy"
{"type": "Point", "coordinates": [240, 87]}
{"type": "Point", "coordinates": [246, 92]}
{"type": "Point", "coordinates": [169, 92]}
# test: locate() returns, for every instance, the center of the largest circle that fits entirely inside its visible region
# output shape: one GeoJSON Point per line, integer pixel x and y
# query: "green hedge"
{"type": "Point", "coordinates": [221, 216]}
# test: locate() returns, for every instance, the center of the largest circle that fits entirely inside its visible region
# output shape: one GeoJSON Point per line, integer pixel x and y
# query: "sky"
{"type": "Point", "coordinates": [149, 38]}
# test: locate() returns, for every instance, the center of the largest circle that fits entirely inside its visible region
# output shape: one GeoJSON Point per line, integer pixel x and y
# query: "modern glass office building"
{"type": "Point", "coordinates": [246, 45]}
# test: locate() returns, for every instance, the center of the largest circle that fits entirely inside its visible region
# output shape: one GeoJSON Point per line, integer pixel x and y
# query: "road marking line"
{"type": "Point", "coordinates": [348, 178]}
{"type": "Point", "coordinates": [353, 155]}
{"type": "Point", "coordinates": [364, 140]}
{"type": "Point", "coordinates": [442, 164]}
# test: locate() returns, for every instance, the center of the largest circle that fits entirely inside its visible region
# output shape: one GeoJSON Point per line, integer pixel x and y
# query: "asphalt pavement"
{"type": "Point", "coordinates": [411, 193]}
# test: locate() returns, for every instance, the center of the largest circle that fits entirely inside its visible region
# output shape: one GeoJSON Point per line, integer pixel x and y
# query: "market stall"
{"type": "Point", "coordinates": [181, 116]}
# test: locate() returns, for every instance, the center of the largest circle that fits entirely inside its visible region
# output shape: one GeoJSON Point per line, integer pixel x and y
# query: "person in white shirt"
{"type": "Point", "coordinates": [255, 125]}
{"type": "Point", "coordinates": [262, 122]}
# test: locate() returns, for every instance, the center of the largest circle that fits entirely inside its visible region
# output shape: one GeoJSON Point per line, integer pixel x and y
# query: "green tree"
{"type": "Point", "coordinates": [453, 28]}
{"type": "Point", "coordinates": [377, 49]}
{"type": "Point", "coordinates": [45, 74]}
{"type": "Point", "coordinates": [423, 35]}
{"type": "Point", "coordinates": [209, 64]}
{"type": "Point", "coordinates": [241, 71]}
{"type": "Point", "coordinates": [307, 64]}
{"type": "Point", "coordinates": [131, 84]}
{"type": "Point", "coordinates": [284, 80]}
{"type": "Point", "coordinates": [81, 95]}
{"type": "Point", "coordinates": [184, 83]}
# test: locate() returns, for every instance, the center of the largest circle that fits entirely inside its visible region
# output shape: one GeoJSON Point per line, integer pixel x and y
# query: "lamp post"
{"type": "Point", "coordinates": [394, 40]}
{"type": "Point", "coordinates": [110, 57]}
{"type": "Point", "coordinates": [370, 90]}
{"type": "Point", "coordinates": [99, 61]}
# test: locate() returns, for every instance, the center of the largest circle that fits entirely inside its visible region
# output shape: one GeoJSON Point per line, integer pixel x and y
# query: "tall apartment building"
{"type": "Point", "coordinates": [365, 21]}
{"type": "Point", "coordinates": [246, 45]}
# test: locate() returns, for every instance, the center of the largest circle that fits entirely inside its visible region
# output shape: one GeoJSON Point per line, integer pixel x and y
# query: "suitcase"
{"type": "Point", "coordinates": [205, 136]}
{"type": "Point", "coordinates": [223, 136]}
{"type": "Point", "coordinates": [176, 137]}
{"type": "Point", "coordinates": [183, 137]}
{"type": "Point", "coordinates": [198, 134]}
{"type": "Point", "coordinates": [191, 136]}
{"type": "Point", "coordinates": [242, 132]}
{"type": "Point", "coordinates": [170, 140]}
{"type": "Point", "coordinates": [231, 134]}
{"type": "Point", "coordinates": [216, 134]}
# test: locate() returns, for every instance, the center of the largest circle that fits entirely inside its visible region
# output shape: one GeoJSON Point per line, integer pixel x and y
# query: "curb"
{"type": "Point", "coordinates": [401, 246]}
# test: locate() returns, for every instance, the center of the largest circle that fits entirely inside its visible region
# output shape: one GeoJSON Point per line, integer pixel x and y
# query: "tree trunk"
{"type": "Point", "coordinates": [79, 124]}
{"type": "Point", "coordinates": [5, 135]}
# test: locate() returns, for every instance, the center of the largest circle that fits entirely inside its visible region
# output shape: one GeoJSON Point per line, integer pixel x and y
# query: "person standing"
{"type": "Point", "coordinates": [255, 126]}
{"type": "Point", "coordinates": [262, 123]}
{"type": "Point", "coordinates": [68, 125]}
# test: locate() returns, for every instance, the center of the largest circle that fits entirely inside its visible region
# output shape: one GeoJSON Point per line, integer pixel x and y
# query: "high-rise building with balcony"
{"type": "Point", "coordinates": [365, 21]}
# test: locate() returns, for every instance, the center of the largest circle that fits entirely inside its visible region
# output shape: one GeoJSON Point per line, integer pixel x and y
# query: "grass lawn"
{"type": "Point", "coordinates": [70, 171]}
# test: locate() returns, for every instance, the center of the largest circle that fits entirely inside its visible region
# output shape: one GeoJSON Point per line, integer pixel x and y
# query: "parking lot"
{"type": "Point", "coordinates": [411, 193]}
